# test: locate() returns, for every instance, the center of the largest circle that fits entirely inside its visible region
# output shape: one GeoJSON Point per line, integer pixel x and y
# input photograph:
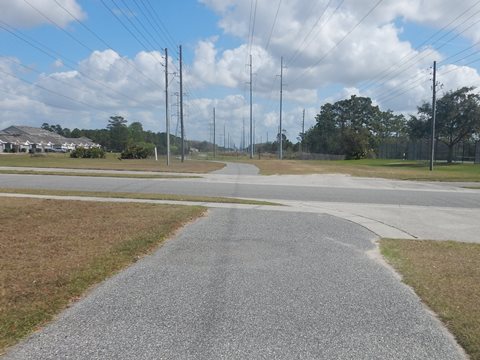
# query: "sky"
{"type": "Point", "coordinates": [78, 62]}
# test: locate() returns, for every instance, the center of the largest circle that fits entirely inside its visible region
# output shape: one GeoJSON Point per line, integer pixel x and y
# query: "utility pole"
{"type": "Point", "coordinates": [182, 129]}
{"type": "Point", "coordinates": [167, 127]}
{"type": "Point", "coordinates": [280, 154]}
{"type": "Point", "coordinates": [224, 140]}
{"type": "Point", "coordinates": [303, 131]}
{"type": "Point", "coordinates": [434, 95]}
{"type": "Point", "coordinates": [251, 112]}
{"type": "Point", "coordinates": [214, 141]}
{"type": "Point", "coordinates": [243, 134]}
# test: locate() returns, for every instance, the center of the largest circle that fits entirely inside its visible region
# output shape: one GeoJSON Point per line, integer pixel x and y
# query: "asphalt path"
{"type": "Point", "coordinates": [238, 169]}
{"type": "Point", "coordinates": [237, 189]}
{"type": "Point", "coordinates": [249, 284]}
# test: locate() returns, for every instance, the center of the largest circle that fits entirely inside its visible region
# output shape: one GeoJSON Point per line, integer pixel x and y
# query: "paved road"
{"type": "Point", "coordinates": [202, 187]}
{"type": "Point", "coordinates": [250, 285]}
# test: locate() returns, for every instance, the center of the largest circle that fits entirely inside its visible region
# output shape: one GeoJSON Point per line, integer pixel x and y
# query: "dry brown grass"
{"type": "Point", "coordinates": [52, 251]}
{"type": "Point", "coordinates": [446, 275]}
{"type": "Point", "coordinates": [111, 162]}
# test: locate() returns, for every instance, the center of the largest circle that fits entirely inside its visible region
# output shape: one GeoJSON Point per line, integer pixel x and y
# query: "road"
{"type": "Point", "coordinates": [226, 187]}
{"type": "Point", "coordinates": [242, 284]}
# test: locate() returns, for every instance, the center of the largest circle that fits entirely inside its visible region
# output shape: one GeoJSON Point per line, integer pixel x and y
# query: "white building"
{"type": "Point", "coordinates": [30, 139]}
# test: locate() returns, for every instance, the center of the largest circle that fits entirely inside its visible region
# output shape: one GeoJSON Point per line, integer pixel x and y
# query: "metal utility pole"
{"type": "Point", "coordinates": [434, 95]}
{"type": "Point", "coordinates": [182, 129]}
{"type": "Point", "coordinates": [167, 119]}
{"type": "Point", "coordinates": [251, 112]}
{"type": "Point", "coordinates": [214, 141]}
{"type": "Point", "coordinates": [280, 154]}
{"type": "Point", "coordinates": [303, 131]}
{"type": "Point", "coordinates": [243, 134]}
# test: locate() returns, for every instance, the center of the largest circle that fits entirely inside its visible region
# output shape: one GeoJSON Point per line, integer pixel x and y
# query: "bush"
{"type": "Point", "coordinates": [92, 153]}
{"type": "Point", "coordinates": [140, 151]}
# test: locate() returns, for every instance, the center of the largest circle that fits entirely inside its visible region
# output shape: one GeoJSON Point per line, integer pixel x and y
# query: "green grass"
{"type": "Point", "coordinates": [126, 195]}
{"type": "Point", "coordinates": [446, 276]}
{"type": "Point", "coordinates": [111, 162]}
{"type": "Point", "coordinates": [94, 174]}
{"type": "Point", "coordinates": [389, 169]}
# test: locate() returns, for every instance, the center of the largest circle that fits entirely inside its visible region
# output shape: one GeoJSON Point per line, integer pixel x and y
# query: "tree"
{"type": "Point", "coordinates": [457, 118]}
{"type": "Point", "coordinates": [117, 127]}
{"type": "Point", "coordinates": [351, 127]}
{"type": "Point", "coordinates": [135, 133]}
{"type": "Point", "coordinates": [76, 133]}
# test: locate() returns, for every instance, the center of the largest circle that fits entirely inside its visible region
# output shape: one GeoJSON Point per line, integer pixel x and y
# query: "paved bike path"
{"type": "Point", "coordinates": [250, 284]}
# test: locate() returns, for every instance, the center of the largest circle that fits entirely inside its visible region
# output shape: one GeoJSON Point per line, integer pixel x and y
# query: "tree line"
{"type": "Point", "coordinates": [352, 127]}
{"type": "Point", "coordinates": [355, 127]}
{"type": "Point", "coordinates": [121, 137]}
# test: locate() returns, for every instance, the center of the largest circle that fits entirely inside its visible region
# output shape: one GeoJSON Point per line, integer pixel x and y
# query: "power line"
{"type": "Point", "coordinates": [49, 53]}
{"type": "Point", "coordinates": [422, 56]}
{"type": "Point", "coordinates": [273, 25]}
{"type": "Point", "coordinates": [299, 48]}
{"type": "Point", "coordinates": [106, 44]}
{"type": "Point", "coordinates": [386, 71]}
{"type": "Point", "coordinates": [405, 85]}
{"type": "Point", "coordinates": [129, 31]}
{"type": "Point", "coordinates": [172, 41]}
{"type": "Point", "coordinates": [253, 26]}
{"type": "Point", "coordinates": [141, 25]}
{"type": "Point", "coordinates": [152, 47]}
{"type": "Point", "coordinates": [53, 92]}
{"type": "Point", "coordinates": [339, 42]}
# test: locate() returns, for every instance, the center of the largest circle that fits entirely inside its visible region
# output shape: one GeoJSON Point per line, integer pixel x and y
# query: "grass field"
{"type": "Point", "coordinates": [389, 169]}
{"type": "Point", "coordinates": [127, 195]}
{"type": "Point", "coordinates": [52, 251]}
{"type": "Point", "coordinates": [111, 162]}
{"type": "Point", "coordinates": [446, 276]}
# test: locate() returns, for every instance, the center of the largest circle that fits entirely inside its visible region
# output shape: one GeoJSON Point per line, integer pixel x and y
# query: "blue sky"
{"type": "Point", "coordinates": [329, 57]}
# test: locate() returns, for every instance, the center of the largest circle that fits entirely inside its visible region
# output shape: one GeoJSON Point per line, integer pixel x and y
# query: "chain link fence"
{"type": "Point", "coordinates": [467, 151]}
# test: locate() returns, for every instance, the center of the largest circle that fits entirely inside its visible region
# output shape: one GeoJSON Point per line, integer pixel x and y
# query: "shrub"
{"type": "Point", "coordinates": [92, 153]}
{"type": "Point", "coordinates": [140, 151]}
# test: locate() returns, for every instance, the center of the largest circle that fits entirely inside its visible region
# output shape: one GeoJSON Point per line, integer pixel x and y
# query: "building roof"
{"type": "Point", "coordinates": [22, 134]}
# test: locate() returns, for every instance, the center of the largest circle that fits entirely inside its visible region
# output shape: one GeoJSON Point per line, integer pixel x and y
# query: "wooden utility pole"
{"type": "Point", "coordinates": [167, 119]}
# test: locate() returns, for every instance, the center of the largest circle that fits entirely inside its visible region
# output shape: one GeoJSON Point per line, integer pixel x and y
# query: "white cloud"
{"type": "Point", "coordinates": [317, 53]}
{"type": "Point", "coordinates": [26, 14]}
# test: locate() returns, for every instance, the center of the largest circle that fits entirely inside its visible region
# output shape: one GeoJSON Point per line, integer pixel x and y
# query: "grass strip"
{"type": "Point", "coordinates": [127, 195]}
{"type": "Point", "coordinates": [445, 275]}
{"type": "Point", "coordinates": [62, 248]}
{"type": "Point", "coordinates": [94, 174]}
{"type": "Point", "coordinates": [111, 162]}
